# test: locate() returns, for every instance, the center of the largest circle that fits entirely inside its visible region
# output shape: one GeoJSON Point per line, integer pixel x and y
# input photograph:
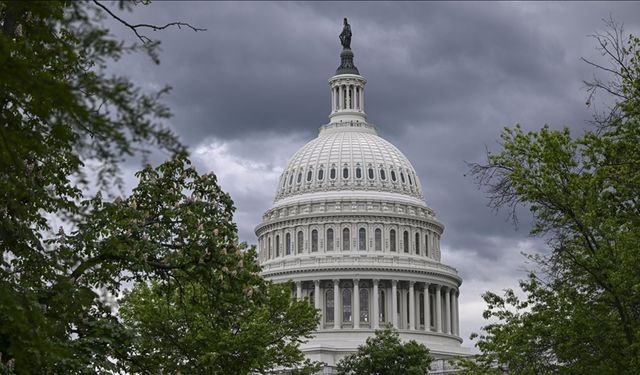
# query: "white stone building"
{"type": "Point", "coordinates": [350, 227]}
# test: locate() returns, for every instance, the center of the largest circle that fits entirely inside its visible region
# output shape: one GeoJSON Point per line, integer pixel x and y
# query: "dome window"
{"type": "Point", "coordinates": [320, 174]}
{"type": "Point", "coordinates": [370, 173]}
{"type": "Point", "coordinates": [309, 175]}
{"type": "Point", "coordinates": [378, 239]}
{"type": "Point", "coordinates": [358, 172]}
{"type": "Point", "coordinates": [393, 176]}
{"type": "Point", "coordinates": [346, 239]}
{"type": "Point", "coordinates": [345, 172]}
{"type": "Point", "coordinates": [329, 239]}
{"type": "Point", "coordinates": [362, 239]}
{"type": "Point", "coordinates": [410, 181]}
{"type": "Point", "coordinates": [402, 177]}
{"type": "Point", "coordinates": [332, 174]}
{"type": "Point", "coordinates": [405, 242]}
{"type": "Point", "coordinates": [314, 241]}
{"type": "Point", "coordinates": [299, 179]}
{"type": "Point", "coordinates": [291, 179]}
{"type": "Point", "coordinates": [392, 240]}
{"type": "Point", "coordinates": [383, 175]}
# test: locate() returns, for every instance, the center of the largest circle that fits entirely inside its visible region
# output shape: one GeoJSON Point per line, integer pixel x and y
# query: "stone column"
{"type": "Point", "coordinates": [456, 328]}
{"type": "Point", "coordinates": [376, 305]}
{"type": "Point", "coordinates": [438, 309]}
{"type": "Point", "coordinates": [412, 306]}
{"type": "Point", "coordinates": [447, 310]}
{"type": "Point", "coordinates": [427, 309]}
{"type": "Point", "coordinates": [299, 289]}
{"type": "Point", "coordinates": [362, 99]}
{"type": "Point", "coordinates": [356, 303]}
{"type": "Point", "coordinates": [394, 303]}
{"type": "Point", "coordinates": [341, 97]}
{"type": "Point", "coordinates": [316, 293]}
{"type": "Point", "coordinates": [336, 304]}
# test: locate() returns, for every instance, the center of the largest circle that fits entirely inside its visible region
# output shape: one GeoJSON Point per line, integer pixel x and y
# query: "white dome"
{"type": "Point", "coordinates": [347, 157]}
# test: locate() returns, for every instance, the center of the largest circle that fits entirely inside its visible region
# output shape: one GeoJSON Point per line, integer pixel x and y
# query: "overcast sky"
{"type": "Point", "coordinates": [443, 80]}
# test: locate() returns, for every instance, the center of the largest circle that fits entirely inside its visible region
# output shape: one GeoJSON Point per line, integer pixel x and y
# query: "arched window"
{"type": "Point", "coordinates": [300, 242]}
{"type": "Point", "coordinates": [329, 239]}
{"type": "Point", "coordinates": [364, 305]}
{"type": "Point", "coordinates": [362, 239]}
{"type": "Point", "coordinates": [410, 181]}
{"type": "Point", "coordinates": [345, 239]}
{"type": "Point", "coordinates": [287, 244]}
{"type": "Point", "coordinates": [314, 240]}
{"type": "Point", "coordinates": [421, 309]}
{"type": "Point", "coordinates": [402, 177]}
{"type": "Point", "coordinates": [299, 177]}
{"type": "Point", "coordinates": [392, 239]}
{"type": "Point", "coordinates": [393, 176]}
{"type": "Point", "coordinates": [426, 245]}
{"type": "Point", "coordinates": [328, 303]}
{"type": "Point", "coordinates": [370, 173]}
{"type": "Point", "coordinates": [346, 305]}
{"type": "Point", "coordinates": [405, 245]}
{"type": "Point", "coordinates": [309, 175]}
{"type": "Point", "coordinates": [332, 174]}
{"type": "Point", "coordinates": [345, 173]}
{"type": "Point", "coordinates": [277, 245]}
{"type": "Point", "coordinates": [358, 172]}
{"type": "Point", "coordinates": [383, 175]}
{"type": "Point", "coordinates": [378, 239]}
{"type": "Point", "coordinates": [270, 249]}
{"type": "Point", "coordinates": [417, 243]}
{"type": "Point", "coordinates": [382, 303]}
{"type": "Point", "coordinates": [320, 174]}
{"type": "Point", "coordinates": [291, 179]}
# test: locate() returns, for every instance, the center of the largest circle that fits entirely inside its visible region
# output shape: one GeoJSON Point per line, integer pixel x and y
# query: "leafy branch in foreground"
{"type": "Point", "coordinates": [581, 314]}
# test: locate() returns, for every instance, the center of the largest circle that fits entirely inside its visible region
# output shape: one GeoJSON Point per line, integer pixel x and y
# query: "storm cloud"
{"type": "Point", "coordinates": [443, 80]}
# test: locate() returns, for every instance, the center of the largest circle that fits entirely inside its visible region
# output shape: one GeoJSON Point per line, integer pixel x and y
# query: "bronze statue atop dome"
{"type": "Point", "coordinates": [345, 35]}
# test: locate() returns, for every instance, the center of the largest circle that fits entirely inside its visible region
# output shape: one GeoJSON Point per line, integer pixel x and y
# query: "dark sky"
{"type": "Point", "coordinates": [443, 80]}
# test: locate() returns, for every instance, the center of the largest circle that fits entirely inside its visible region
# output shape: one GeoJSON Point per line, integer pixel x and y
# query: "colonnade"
{"type": "Point", "coordinates": [408, 305]}
{"type": "Point", "coordinates": [347, 96]}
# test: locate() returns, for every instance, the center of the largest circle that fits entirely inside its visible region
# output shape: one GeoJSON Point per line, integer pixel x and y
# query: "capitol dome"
{"type": "Point", "coordinates": [350, 227]}
{"type": "Point", "coordinates": [348, 157]}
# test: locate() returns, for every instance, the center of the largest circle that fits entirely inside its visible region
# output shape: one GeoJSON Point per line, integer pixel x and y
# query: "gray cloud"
{"type": "Point", "coordinates": [443, 80]}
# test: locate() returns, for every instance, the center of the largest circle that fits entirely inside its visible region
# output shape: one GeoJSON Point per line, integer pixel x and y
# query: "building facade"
{"type": "Point", "coordinates": [350, 227]}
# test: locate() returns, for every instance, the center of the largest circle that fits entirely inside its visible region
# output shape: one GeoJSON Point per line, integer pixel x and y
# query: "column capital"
{"type": "Point", "coordinates": [356, 281]}
{"type": "Point", "coordinates": [438, 287]}
{"type": "Point", "coordinates": [426, 286]}
{"type": "Point", "coordinates": [336, 281]}
{"type": "Point", "coordinates": [394, 282]}
{"type": "Point", "coordinates": [376, 281]}
{"type": "Point", "coordinates": [412, 283]}
{"type": "Point", "coordinates": [316, 282]}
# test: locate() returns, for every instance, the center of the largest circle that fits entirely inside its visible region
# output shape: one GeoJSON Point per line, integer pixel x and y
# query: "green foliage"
{"type": "Point", "coordinates": [173, 237]}
{"type": "Point", "coordinates": [385, 354]}
{"type": "Point", "coordinates": [581, 314]}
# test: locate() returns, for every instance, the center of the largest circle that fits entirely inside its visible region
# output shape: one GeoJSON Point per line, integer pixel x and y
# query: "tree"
{"type": "Point", "coordinates": [581, 313]}
{"type": "Point", "coordinates": [210, 312]}
{"type": "Point", "coordinates": [385, 354]}
{"type": "Point", "coordinates": [173, 237]}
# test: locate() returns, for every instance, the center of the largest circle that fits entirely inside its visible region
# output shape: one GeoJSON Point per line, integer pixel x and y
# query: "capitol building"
{"type": "Point", "coordinates": [350, 227]}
